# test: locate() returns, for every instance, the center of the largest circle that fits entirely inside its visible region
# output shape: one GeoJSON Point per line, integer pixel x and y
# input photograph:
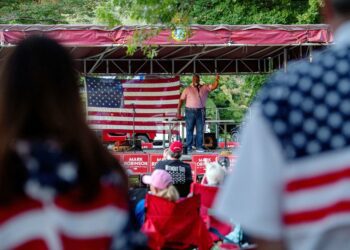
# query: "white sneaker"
{"type": "Point", "coordinates": [200, 150]}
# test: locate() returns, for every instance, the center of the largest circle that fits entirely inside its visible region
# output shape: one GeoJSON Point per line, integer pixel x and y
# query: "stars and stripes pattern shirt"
{"type": "Point", "coordinates": [292, 177]}
{"type": "Point", "coordinates": [50, 215]}
{"type": "Point", "coordinates": [65, 223]}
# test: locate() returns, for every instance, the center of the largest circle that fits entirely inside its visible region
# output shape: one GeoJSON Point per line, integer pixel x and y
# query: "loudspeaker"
{"type": "Point", "coordinates": [126, 145]}
{"type": "Point", "coordinates": [210, 141]}
{"type": "Point", "coordinates": [138, 144]}
{"type": "Point", "coordinates": [199, 178]}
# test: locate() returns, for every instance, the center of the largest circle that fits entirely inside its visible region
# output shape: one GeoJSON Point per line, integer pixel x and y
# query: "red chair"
{"type": "Point", "coordinates": [207, 195]}
{"type": "Point", "coordinates": [175, 225]}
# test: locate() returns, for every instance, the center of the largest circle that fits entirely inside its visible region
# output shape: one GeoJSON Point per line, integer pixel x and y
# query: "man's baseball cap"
{"type": "Point", "coordinates": [176, 147]}
{"type": "Point", "coordinates": [160, 179]}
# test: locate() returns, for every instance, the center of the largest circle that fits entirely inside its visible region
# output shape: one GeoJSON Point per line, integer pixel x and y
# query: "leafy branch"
{"type": "Point", "coordinates": [158, 15]}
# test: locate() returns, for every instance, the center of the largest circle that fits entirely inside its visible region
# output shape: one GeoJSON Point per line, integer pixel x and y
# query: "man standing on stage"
{"type": "Point", "coordinates": [195, 96]}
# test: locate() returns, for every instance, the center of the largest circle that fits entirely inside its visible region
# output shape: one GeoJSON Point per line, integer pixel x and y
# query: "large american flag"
{"type": "Point", "coordinates": [111, 103]}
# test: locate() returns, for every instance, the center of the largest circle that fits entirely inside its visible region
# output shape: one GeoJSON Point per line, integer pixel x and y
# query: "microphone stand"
{"type": "Point", "coordinates": [204, 127]}
{"type": "Point", "coordinates": [133, 147]}
{"type": "Point", "coordinates": [203, 119]}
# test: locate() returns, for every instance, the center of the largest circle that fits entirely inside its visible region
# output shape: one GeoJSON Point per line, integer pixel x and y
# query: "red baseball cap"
{"type": "Point", "coordinates": [176, 147]}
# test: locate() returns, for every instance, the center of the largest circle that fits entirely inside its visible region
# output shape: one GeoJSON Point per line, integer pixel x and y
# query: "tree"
{"type": "Point", "coordinates": [236, 92]}
{"type": "Point", "coordinates": [47, 11]}
{"type": "Point", "coordinates": [172, 13]}
{"type": "Point", "coordinates": [256, 12]}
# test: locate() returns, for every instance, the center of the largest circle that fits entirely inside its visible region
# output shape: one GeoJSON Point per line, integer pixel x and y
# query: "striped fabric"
{"type": "Point", "coordinates": [316, 203]}
{"type": "Point", "coordinates": [292, 177]}
{"type": "Point", "coordinates": [64, 224]}
{"type": "Point", "coordinates": [151, 100]}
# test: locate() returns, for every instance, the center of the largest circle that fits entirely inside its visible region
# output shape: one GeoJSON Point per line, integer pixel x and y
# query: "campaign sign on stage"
{"type": "Point", "coordinates": [229, 144]}
{"type": "Point", "coordinates": [146, 145]}
{"type": "Point", "coordinates": [193, 170]}
{"type": "Point", "coordinates": [119, 157]}
{"type": "Point", "coordinates": [199, 161]}
{"type": "Point", "coordinates": [137, 163]}
{"type": "Point", "coordinates": [154, 158]}
{"type": "Point", "coordinates": [232, 159]}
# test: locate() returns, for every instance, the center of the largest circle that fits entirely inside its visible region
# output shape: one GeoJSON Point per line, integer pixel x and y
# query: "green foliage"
{"type": "Point", "coordinates": [256, 12]}
{"type": "Point", "coordinates": [138, 37]}
{"type": "Point", "coordinates": [235, 93]}
{"type": "Point", "coordinates": [164, 12]}
{"type": "Point", "coordinates": [312, 15]}
{"type": "Point", "coordinates": [47, 11]}
{"type": "Point", "coordinates": [179, 14]}
{"type": "Point", "coordinates": [173, 13]}
{"type": "Point", "coordinates": [169, 13]}
{"type": "Point", "coordinates": [233, 96]}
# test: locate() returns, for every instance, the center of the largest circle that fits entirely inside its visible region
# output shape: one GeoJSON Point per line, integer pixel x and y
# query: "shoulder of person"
{"type": "Point", "coordinates": [184, 164]}
{"type": "Point", "coordinates": [207, 86]}
{"type": "Point", "coordinates": [186, 90]}
{"type": "Point", "coordinates": [289, 98]}
{"type": "Point", "coordinates": [173, 162]}
{"type": "Point", "coordinates": [161, 164]}
{"type": "Point", "coordinates": [278, 87]}
{"type": "Point", "coordinates": [165, 162]}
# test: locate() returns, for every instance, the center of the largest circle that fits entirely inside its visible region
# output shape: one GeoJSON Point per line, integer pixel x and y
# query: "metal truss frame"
{"type": "Point", "coordinates": [193, 63]}
{"type": "Point", "coordinates": [169, 64]}
{"type": "Point", "coordinates": [262, 61]}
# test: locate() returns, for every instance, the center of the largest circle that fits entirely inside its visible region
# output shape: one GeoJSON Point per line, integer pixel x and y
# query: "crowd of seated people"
{"type": "Point", "coordinates": [161, 184]}
{"type": "Point", "coordinates": [61, 189]}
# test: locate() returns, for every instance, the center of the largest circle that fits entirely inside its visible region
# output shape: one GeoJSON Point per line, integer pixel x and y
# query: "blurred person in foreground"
{"type": "Point", "coordinates": [180, 171]}
{"type": "Point", "coordinates": [59, 188]}
{"type": "Point", "coordinates": [290, 188]}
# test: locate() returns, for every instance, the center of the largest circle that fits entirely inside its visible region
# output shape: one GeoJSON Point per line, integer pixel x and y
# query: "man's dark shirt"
{"type": "Point", "coordinates": [180, 172]}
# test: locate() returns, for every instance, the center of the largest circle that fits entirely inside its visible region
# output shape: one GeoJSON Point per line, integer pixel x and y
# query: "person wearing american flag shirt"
{"type": "Point", "coordinates": [290, 188]}
{"type": "Point", "coordinates": [60, 189]}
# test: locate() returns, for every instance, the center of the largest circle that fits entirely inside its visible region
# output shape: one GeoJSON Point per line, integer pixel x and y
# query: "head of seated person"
{"type": "Point", "coordinates": [161, 185]}
{"type": "Point", "coordinates": [214, 174]}
{"type": "Point", "coordinates": [42, 121]}
{"type": "Point", "coordinates": [174, 152]}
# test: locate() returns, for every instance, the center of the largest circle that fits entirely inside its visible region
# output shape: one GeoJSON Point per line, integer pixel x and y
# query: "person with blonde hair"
{"type": "Point", "coordinates": [214, 174]}
{"type": "Point", "coordinates": [161, 184]}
